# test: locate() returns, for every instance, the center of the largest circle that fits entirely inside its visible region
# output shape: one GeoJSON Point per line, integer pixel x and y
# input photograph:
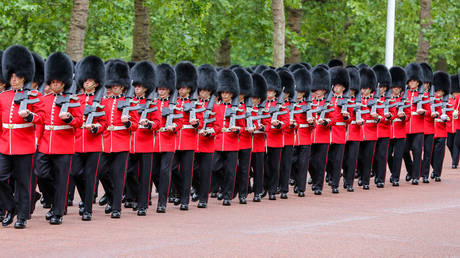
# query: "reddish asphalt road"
{"type": "Point", "coordinates": [409, 220]}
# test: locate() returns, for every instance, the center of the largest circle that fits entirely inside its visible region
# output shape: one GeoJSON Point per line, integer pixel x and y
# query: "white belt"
{"type": "Point", "coordinates": [57, 127]}
{"type": "Point", "coordinates": [340, 123]}
{"type": "Point", "coordinates": [353, 122]}
{"type": "Point", "coordinates": [258, 132]}
{"type": "Point", "coordinates": [143, 127]}
{"type": "Point", "coordinates": [17, 126]}
{"type": "Point", "coordinates": [415, 114]}
{"type": "Point", "coordinates": [371, 122]}
{"type": "Point", "coordinates": [438, 120]}
{"type": "Point", "coordinates": [304, 125]}
{"type": "Point", "coordinates": [116, 128]}
{"type": "Point", "coordinates": [397, 120]}
{"type": "Point", "coordinates": [226, 130]}
{"type": "Point", "coordinates": [188, 127]}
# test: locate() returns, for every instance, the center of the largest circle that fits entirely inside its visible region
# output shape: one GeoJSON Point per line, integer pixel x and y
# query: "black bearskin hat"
{"type": "Point", "coordinates": [414, 72]}
{"type": "Point", "coordinates": [454, 83]}
{"type": "Point", "coordinates": [143, 73]}
{"type": "Point", "coordinates": [117, 73]}
{"type": "Point", "coordinates": [427, 73]}
{"type": "Point", "coordinates": [39, 76]}
{"type": "Point", "coordinates": [166, 77]}
{"type": "Point", "coordinates": [368, 78]}
{"type": "Point", "coordinates": [441, 81]}
{"type": "Point", "coordinates": [339, 75]}
{"type": "Point", "coordinates": [355, 80]}
{"type": "Point", "coordinates": [287, 81]}
{"type": "Point", "coordinates": [302, 80]}
{"type": "Point", "coordinates": [90, 67]}
{"type": "Point", "coordinates": [273, 80]}
{"type": "Point", "coordinates": [261, 68]}
{"type": "Point", "coordinates": [321, 79]}
{"type": "Point", "coordinates": [207, 78]}
{"type": "Point", "coordinates": [1, 76]}
{"type": "Point", "coordinates": [18, 59]}
{"type": "Point", "coordinates": [244, 80]}
{"type": "Point", "coordinates": [294, 67]}
{"type": "Point", "coordinates": [335, 62]}
{"type": "Point", "coordinates": [260, 87]}
{"type": "Point", "coordinates": [306, 65]}
{"type": "Point", "coordinates": [131, 64]}
{"type": "Point", "coordinates": [59, 67]}
{"type": "Point", "coordinates": [398, 77]}
{"type": "Point", "coordinates": [186, 76]}
{"type": "Point", "coordinates": [383, 75]}
{"type": "Point", "coordinates": [228, 81]}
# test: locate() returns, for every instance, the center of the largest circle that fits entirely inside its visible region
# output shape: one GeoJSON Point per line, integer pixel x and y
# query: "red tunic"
{"type": "Point", "coordinates": [144, 137]}
{"type": "Point", "coordinates": [226, 140]}
{"type": "Point", "coordinates": [258, 139]}
{"type": "Point", "coordinates": [58, 136]}
{"type": "Point", "coordinates": [321, 133]}
{"type": "Point", "coordinates": [187, 136]}
{"type": "Point", "coordinates": [117, 137]}
{"type": "Point", "coordinates": [289, 133]}
{"type": "Point", "coordinates": [457, 108]}
{"type": "Point", "coordinates": [398, 126]}
{"type": "Point", "coordinates": [87, 141]}
{"type": "Point", "coordinates": [416, 122]}
{"type": "Point", "coordinates": [14, 140]}
{"type": "Point", "coordinates": [451, 124]}
{"type": "Point", "coordinates": [440, 126]}
{"type": "Point", "coordinates": [384, 126]}
{"type": "Point", "coordinates": [275, 136]}
{"type": "Point", "coordinates": [245, 141]}
{"type": "Point", "coordinates": [354, 132]}
{"type": "Point", "coordinates": [165, 141]}
{"type": "Point", "coordinates": [369, 127]}
{"type": "Point", "coordinates": [206, 143]}
{"type": "Point", "coordinates": [303, 129]}
{"type": "Point", "coordinates": [339, 128]}
{"type": "Point", "coordinates": [428, 119]}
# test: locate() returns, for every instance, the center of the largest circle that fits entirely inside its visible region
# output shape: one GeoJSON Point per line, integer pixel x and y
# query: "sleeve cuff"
{"type": "Point", "coordinates": [68, 120]}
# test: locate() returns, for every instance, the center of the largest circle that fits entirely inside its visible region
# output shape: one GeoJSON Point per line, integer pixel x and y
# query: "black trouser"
{"type": "Point", "coordinates": [46, 187]}
{"type": "Point", "coordinates": [56, 167]}
{"type": "Point", "coordinates": [225, 164]}
{"type": "Point", "coordinates": [272, 163]}
{"type": "Point", "coordinates": [453, 148]}
{"type": "Point", "coordinates": [133, 174]}
{"type": "Point", "coordinates": [300, 160]}
{"type": "Point", "coordinates": [257, 164]}
{"type": "Point", "coordinates": [242, 173]}
{"type": "Point", "coordinates": [116, 163]}
{"type": "Point", "coordinates": [395, 157]}
{"type": "Point", "coordinates": [318, 161]}
{"type": "Point", "coordinates": [182, 173]}
{"type": "Point", "coordinates": [456, 144]}
{"type": "Point", "coordinates": [161, 174]}
{"type": "Point", "coordinates": [202, 170]}
{"type": "Point", "coordinates": [380, 159]}
{"type": "Point", "coordinates": [366, 153]}
{"type": "Point", "coordinates": [350, 161]}
{"type": "Point", "coordinates": [106, 180]}
{"type": "Point", "coordinates": [19, 168]}
{"type": "Point", "coordinates": [414, 143]}
{"type": "Point", "coordinates": [428, 141]}
{"type": "Point", "coordinates": [85, 168]}
{"type": "Point", "coordinates": [144, 163]}
{"type": "Point", "coordinates": [75, 182]}
{"type": "Point", "coordinates": [285, 168]}
{"type": "Point", "coordinates": [438, 159]}
{"type": "Point", "coordinates": [334, 163]}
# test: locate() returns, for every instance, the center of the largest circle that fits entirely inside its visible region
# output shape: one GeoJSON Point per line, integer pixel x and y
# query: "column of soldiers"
{"type": "Point", "coordinates": [194, 133]}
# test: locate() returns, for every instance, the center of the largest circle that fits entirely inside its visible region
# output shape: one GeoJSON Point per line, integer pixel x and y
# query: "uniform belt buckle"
{"type": "Point", "coordinates": [10, 126]}
{"type": "Point", "coordinates": [51, 127]}
{"type": "Point", "coordinates": [110, 128]}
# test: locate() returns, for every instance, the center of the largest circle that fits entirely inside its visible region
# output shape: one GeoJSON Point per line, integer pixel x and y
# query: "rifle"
{"type": "Point", "coordinates": [275, 111]}
{"type": "Point", "coordinates": [208, 112]}
{"type": "Point", "coordinates": [248, 104]}
{"type": "Point", "coordinates": [260, 112]}
{"type": "Point", "coordinates": [64, 101]}
{"type": "Point", "coordinates": [191, 107]}
{"type": "Point", "coordinates": [22, 98]}
{"type": "Point", "coordinates": [343, 103]}
{"type": "Point", "coordinates": [144, 108]}
{"type": "Point", "coordinates": [168, 112]}
{"type": "Point", "coordinates": [357, 107]}
{"type": "Point", "coordinates": [91, 111]}
{"type": "Point", "coordinates": [292, 106]}
{"type": "Point", "coordinates": [125, 105]}
{"type": "Point", "coordinates": [401, 105]}
{"type": "Point", "coordinates": [444, 108]}
{"type": "Point", "coordinates": [324, 108]}
{"type": "Point", "coordinates": [433, 106]}
{"type": "Point", "coordinates": [231, 112]}
{"type": "Point", "coordinates": [373, 103]}
{"type": "Point", "coordinates": [419, 99]}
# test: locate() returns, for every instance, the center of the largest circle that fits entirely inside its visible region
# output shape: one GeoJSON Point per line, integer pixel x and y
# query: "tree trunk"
{"type": "Point", "coordinates": [294, 22]}
{"type": "Point", "coordinates": [279, 24]}
{"type": "Point", "coordinates": [222, 53]}
{"type": "Point", "coordinates": [441, 64]}
{"type": "Point", "coordinates": [423, 50]}
{"type": "Point", "coordinates": [142, 45]}
{"type": "Point", "coordinates": [76, 38]}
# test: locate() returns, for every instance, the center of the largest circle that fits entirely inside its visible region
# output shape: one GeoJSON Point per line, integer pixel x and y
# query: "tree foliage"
{"type": "Point", "coordinates": [192, 30]}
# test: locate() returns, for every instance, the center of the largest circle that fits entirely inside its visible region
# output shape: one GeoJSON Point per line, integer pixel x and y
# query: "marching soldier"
{"type": "Point", "coordinates": [226, 143]}
{"type": "Point", "coordinates": [302, 141]}
{"type": "Point", "coordinates": [340, 84]}
{"type": "Point", "coordinates": [442, 85]}
{"type": "Point", "coordinates": [321, 134]}
{"type": "Point", "coordinates": [122, 119]}
{"type": "Point", "coordinates": [86, 161]}
{"type": "Point", "coordinates": [62, 117]}
{"type": "Point", "coordinates": [429, 122]}
{"type": "Point", "coordinates": [212, 125]}
{"type": "Point", "coordinates": [245, 140]}
{"type": "Point", "coordinates": [259, 97]}
{"type": "Point", "coordinates": [399, 123]}
{"type": "Point", "coordinates": [187, 137]}
{"type": "Point", "coordinates": [354, 133]}
{"type": "Point", "coordinates": [379, 166]}
{"type": "Point", "coordinates": [17, 139]}
{"type": "Point", "coordinates": [165, 139]}
{"type": "Point", "coordinates": [415, 126]}
{"type": "Point", "coordinates": [451, 124]}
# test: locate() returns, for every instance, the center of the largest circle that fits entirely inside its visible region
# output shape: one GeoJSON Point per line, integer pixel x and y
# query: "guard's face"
{"type": "Point", "coordinates": [90, 85]}
{"type": "Point", "coordinates": [184, 92]}
{"type": "Point", "coordinates": [271, 94]}
{"type": "Point", "coordinates": [366, 92]}
{"type": "Point", "coordinates": [413, 84]}
{"type": "Point", "coordinates": [440, 93]}
{"type": "Point", "coordinates": [16, 82]}
{"type": "Point", "coordinates": [300, 95]}
{"type": "Point", "coordinates": [163, 92]}
{"type": "Point", "coordinates": [320, 93]}
{"type": "Point", "coordinates": [204, 94]}
{"type": "Point", "coordinates": [396, 91]}
{"type": "Point", "coordinates": [383, 89]}
{"type": "Point", "coordinates": [2, 86]}
{"type": "Point", "coordinates": [338, 89]}
{"type": "Point", "coordinates": [139, 90]}
{"type": "Point", "coordinates": [256, 101]}
{"type": "Point", "coordinates": [57, 86]}
{"type": "Point", "coordinates": [226, 96]}
{"type": "Point", "coordinates": [117, 90]}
